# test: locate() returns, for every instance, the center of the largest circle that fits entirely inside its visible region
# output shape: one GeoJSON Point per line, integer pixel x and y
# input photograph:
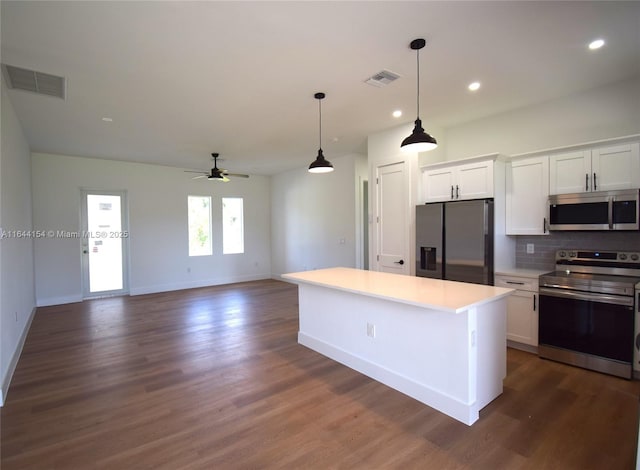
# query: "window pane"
{"type": "Point", "coordinates": [232, 225]}
{"type": "Point", "coordinates": [199, 225]}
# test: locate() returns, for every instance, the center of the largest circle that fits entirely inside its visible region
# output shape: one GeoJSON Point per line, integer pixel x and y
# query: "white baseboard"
{"type": "Point", "coordinates": [522, 347]}
{"type": "Point", "coordinates": [69, 299]}
{"type": "Point", "coordinates": [6, 380]}
{"type": "Point", "coordinates": [154, 289]}
{"type": "Point", "coordinates": [195, 284]}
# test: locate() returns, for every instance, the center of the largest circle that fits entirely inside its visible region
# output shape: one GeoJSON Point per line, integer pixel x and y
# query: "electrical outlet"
{"type": "Point", "coordinates": [530, 249]}
{"type": "Point", "coordinates": [371, 330]}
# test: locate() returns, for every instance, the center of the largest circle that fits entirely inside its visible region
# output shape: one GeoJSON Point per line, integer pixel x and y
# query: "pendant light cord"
{"type": "Point", "coordinates": [418, 83]}
{"type": "Point", "coordinates": [320, 123]}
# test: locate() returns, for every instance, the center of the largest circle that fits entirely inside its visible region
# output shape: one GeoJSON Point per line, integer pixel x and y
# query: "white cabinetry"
{"type": "Point", "coordinates": [452, 181]}
{"type": "Point", "coordinates": [522, 309]}
{"type": "Point", "coordinates": [595, 169]}
{"type": "Point", "coordinates": [527, 189]}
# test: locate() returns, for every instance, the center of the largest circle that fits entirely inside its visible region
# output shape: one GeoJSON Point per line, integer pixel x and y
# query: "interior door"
{"type": "Point", "coordinates": [393, 246]}
{"type": "Point", "coordinates": [104, 243]}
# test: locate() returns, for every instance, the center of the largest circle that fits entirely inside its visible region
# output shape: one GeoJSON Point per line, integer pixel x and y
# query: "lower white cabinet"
{"type": "Point", "coordinates": [522, 308]}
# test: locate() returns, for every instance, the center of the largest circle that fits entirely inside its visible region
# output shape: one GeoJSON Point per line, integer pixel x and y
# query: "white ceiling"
{"type": "Point", "coordinates": [183, 79]}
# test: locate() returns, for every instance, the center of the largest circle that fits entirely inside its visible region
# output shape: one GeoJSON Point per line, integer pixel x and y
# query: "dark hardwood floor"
{"type": "Point", "coordinates": [213, 378]}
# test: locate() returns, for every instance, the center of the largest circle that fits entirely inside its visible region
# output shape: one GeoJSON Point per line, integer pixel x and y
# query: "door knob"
{"type": "Point", "coordinates": [401, 262]}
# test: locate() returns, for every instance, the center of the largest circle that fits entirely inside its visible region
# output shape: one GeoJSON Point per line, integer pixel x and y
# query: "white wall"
{"type": "Point", "coordinates": [17, 290]}
{"type": "Point", "coordinates": [312, 213]}
{"type": "Point", "coordinates": [600, 113]}
{"type": "Point", "coordinates": [157, 200]}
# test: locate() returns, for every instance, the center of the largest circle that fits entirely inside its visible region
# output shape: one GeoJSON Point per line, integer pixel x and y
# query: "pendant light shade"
{"type": "Point", "coordinates": [419, 140]}
{"type": "Point", "coordinates": [320, 164]}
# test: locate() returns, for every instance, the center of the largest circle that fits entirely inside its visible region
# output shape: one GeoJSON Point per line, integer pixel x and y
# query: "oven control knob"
{"type": "Point", "coordinates": [573, 254]}
{"type": "Point", "coordinates": [622, 256]}
{"type": "Point", "coordinates": [562, 254]}
{"type": "Point", "coordinates": [634, 256]}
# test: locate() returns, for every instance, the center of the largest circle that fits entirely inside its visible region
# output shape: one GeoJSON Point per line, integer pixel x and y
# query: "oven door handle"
{"type": "Point", "coordinates": [589, 297]}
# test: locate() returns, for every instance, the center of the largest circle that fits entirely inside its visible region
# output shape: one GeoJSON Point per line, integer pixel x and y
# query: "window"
{"type": "Point", "coordinates": [199, 225]}
{"type": "Point", "coordinates": [232, 225]}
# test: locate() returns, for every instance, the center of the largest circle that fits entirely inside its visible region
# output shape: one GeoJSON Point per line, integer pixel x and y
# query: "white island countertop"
{"type": "Point", "coordinates": [447, 296]}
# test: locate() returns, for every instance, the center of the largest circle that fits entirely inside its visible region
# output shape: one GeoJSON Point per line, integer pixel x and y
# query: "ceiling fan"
{"type": "Point", "coordinates": [216, 173]}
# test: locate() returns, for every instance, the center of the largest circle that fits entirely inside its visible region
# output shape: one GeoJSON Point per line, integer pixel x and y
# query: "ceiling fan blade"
{"type": "Point", "coordinates": [193, 171]}
{"type": "Point", "coordinates": [198, 177]}
{"type": "Point", "coordinates": [237, 175]}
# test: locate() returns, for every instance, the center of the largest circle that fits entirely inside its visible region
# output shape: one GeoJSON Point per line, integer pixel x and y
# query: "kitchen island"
{"type": "Point", "coordinates": [440, 342]}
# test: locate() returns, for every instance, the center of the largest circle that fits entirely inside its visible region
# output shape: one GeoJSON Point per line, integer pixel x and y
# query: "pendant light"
{"type": "Point", "coordinates": [320, 165]}
{"type": "Point", "coordinates": [419, 140]}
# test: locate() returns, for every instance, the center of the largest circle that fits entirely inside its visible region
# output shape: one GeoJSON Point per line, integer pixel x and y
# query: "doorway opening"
{"type": "Point", "coordinates": [105, 236]}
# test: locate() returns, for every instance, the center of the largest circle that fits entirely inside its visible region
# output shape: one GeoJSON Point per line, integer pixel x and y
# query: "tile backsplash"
{"type": "Point", "coordinates": [545, 246]}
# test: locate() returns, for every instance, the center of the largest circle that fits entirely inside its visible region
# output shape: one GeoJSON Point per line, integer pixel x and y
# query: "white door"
{"type": "Point", "coordinates": [104, 243]}
{"type": "Point", "coordinates": [393, 246]}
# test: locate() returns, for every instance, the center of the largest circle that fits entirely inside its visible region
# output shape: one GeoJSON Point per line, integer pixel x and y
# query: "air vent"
{"type": "Point", "coordinates": [36, 82]}
{"type": "Point", "coordinates": [382, 78]}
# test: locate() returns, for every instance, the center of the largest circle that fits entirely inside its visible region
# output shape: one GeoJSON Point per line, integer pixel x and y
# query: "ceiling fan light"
{"type": "Point", "coordinates": [320, 164]}
{"type": "Point", "coordinates": [419, 140]}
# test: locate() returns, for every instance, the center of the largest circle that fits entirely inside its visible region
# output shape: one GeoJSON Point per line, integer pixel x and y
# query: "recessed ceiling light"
{"type": "Point", "coordinates": [397, 113]}
{"type": "Point", "coordinates": [474, 86]}
{"type": "Point", "coordinates": [597, 44]}
{"type": "Point", "coordinates": [107, 119]}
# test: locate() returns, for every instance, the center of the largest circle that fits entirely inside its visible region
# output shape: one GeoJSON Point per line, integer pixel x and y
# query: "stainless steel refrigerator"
{"type": "Point", "coordinates": [454, 241]}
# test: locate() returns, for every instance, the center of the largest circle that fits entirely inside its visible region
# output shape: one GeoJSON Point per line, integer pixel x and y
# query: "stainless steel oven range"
{"type": "Point", "coordinates": [586, 312]}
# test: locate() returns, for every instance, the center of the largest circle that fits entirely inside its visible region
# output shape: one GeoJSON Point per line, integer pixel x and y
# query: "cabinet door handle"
{"type": "Point", "coordinates": [544, 225]}
{"type": "Point", "coordinates": [595, 183]}
{"type": "Point", "coordinates": [457, 192]}
{"type": "Point", "coordinates": [534, 302]}
{"type": "Point", "coordinates": [516, 283]}
{"type": "Point", "coordinates": [586, 182]}
{"type": "Point", "coordinates": [451, 191]}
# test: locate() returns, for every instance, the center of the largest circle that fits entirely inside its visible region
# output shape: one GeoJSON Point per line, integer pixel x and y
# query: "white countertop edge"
{"type": "Point", "coordinates": [291, 277]}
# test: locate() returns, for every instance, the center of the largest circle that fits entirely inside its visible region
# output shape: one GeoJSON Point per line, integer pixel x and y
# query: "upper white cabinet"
{"type": "Point", "coordinates": [616, 167]}
{"type": "Point", "coordinates": [456, 181]}
{"type": "Point", "coordinates": [596, 169]}
{"type": "Point", "coordinates": [527, 189]}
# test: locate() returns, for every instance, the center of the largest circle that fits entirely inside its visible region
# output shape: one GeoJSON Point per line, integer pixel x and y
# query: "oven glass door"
{"type": "Point", "coordinates": [601, 325]}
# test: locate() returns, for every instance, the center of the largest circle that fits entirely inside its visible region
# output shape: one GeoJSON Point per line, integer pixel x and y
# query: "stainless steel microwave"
{"type": "Point", "coordinates": [602, 210]}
